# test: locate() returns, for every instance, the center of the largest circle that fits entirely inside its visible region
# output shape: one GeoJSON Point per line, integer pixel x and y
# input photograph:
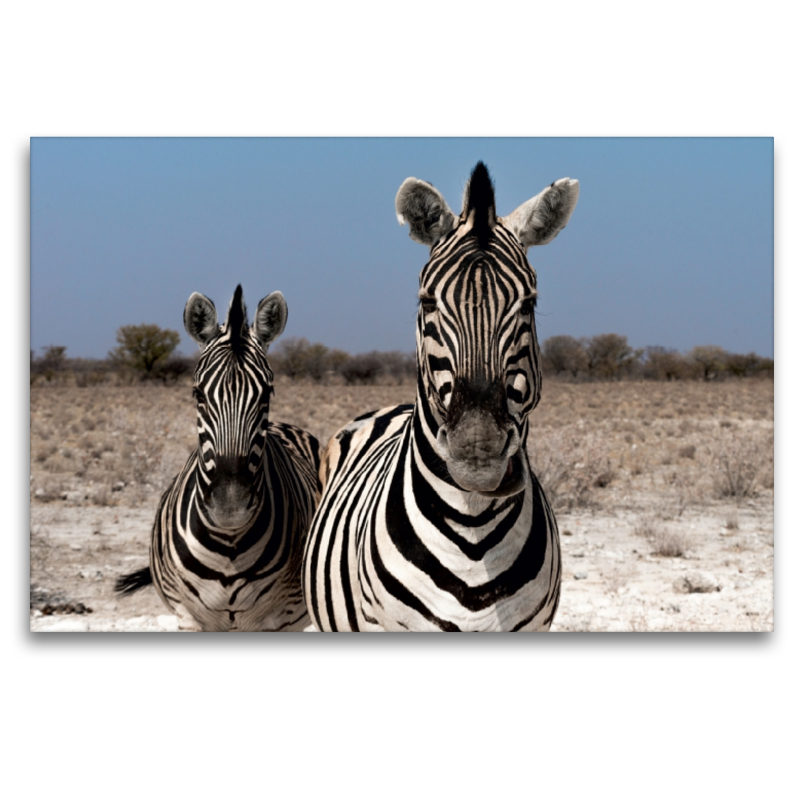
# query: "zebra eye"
{"type": "Point", "coordinates": [427, 304]}
{"type": "Point", "coordinates": [199, 396]}
{"type": "Point", "coordinates": [527, 306]}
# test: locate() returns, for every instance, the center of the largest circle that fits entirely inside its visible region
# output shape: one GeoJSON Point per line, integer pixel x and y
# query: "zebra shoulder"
{"type": "Point", "coordinates": [359, 436]}
{"type": "Point", "coordinates": [298, 441]}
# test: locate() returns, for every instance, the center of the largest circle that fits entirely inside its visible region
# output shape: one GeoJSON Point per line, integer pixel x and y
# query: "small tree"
{"type": "Point", "coordinates": [316, 361]}
{"type": "Point", "coordinates": [663, 364]}
{"type": "Point", "coordinates": [564, 354]}
{"type": "Point", "coordinates": [296, 358]}
{"type": "Point", "coordinates": [51, 363]}
{"type": "Point", "coordinates": [362, 368]}
{"type": "Point", "coordinates": [143, 347]}
{"type": "Point", "coordinates": [709, 358]}
{"type": "Point", "coordinates": [609, 355]}
{"type": "Point", "coordinates": [336, 358]}
{"type": "Point", "coordinates": [742, 365]}
{"type": "Point", "coordinates": [289, 358]}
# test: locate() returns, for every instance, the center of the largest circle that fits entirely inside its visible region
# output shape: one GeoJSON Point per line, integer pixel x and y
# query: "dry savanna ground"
{"type": "Point", "coordinates": [663, 493]}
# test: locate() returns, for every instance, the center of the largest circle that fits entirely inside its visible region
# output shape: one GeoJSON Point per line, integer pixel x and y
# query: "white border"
{"type": "Point", "coordinates": [630, 715]}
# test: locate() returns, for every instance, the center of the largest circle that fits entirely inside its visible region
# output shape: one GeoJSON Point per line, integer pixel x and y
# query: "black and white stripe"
{"type": "Point", "coordinates": [227, 542]}
{"type": "Point", "coordinates": [430, 516]}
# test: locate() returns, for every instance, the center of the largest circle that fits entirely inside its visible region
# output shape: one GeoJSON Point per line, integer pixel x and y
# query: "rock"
{"type": "Point", "coordinates": [39, 493]}
{"type": "Point", "coordinates": [118, 487]}
{"type": "Point", "coordinates": [578, 554]}
{"type": "Point", "coordinates": [580, 576]}
{"type": "Point", "coordinates": [75, 547]}
{"type": "Point", "coordinates": [91, 574]}
{"type": "Point", "coordinates": [72, 497]}
{"type": "Point", "coordinates": [696, 582]}
{"type": "Point", "coordinates": [167, 622]}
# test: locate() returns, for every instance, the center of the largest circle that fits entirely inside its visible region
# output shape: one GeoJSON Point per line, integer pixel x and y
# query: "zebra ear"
{"type": "Point", "coordinates": [539, 220]}
{"type": "Point", "coordinates": [270, 320]}
{"type": "Point", "coordinates": [425, 211]}
{"type": "Point", "coordinates": [200, 319]}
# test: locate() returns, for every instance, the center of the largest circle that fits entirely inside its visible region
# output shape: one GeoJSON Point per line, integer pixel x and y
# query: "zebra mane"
{"type": "Point", "coordinates": [479, 197]}
{"type": "Point", "coordinates": [236, 324]}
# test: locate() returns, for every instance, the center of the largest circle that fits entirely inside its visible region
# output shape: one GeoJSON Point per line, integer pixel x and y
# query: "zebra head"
{"type": "Point", "coordinates": [232, 386]}
{"type": "Point", "coordinates": [477, 353]}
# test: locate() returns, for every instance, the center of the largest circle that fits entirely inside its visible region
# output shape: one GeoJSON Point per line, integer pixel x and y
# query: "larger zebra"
{"type": "Point", "coordinates": [227, 543]}
{"type": "Point", "coordinates": [431, 517]}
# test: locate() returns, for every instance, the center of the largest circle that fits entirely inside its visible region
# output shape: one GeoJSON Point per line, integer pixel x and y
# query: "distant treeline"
{"type": "Point", "coordinates": [609, 357]}
{"type": "Point", "coordinates": [146, 352]}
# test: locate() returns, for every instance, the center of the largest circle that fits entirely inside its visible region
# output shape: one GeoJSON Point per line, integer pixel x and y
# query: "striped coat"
{"type": "Point", "coordinates": [227, 543]}
{"type": "Point", "coordinates": [431, 517]}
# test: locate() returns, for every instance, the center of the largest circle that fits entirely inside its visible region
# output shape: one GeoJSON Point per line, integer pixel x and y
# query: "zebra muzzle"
{"type": "Point", "coordinates": [230, 502]}
{"type": "Point", "coordinates": [482, 457]}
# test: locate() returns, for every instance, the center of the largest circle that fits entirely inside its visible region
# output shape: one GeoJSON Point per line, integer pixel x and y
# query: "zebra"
{"type": "Point", "coordinates": [227, 543]}
{"type": "Point", "coordinates": [430, 516]}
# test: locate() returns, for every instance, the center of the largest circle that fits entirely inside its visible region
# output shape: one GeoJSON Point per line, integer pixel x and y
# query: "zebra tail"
{"type": "Point", "coordinates": [133, 581]}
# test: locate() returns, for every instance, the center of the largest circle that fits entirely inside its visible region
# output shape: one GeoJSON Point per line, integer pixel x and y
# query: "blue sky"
{"type": "Point", "coordinates": [671, 242]}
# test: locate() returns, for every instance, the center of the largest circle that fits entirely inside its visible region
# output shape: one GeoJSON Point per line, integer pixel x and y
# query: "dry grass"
{"type": "Point", "coordinates": [664, 541]}
{"type": "Point", "coordinates": [570, 465]}
{"type": "Point", "coordinates": [670, 543]}
{"type": "Point", "coordinates": [592, 445]}
{"type": "Point", "coordinates": [742, 458]}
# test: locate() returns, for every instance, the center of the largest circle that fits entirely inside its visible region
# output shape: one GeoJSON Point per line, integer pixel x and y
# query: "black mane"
{"type": "Point", "coordinates": [480, 198]}
{"type": "Point", "coordinates": [237, 322]}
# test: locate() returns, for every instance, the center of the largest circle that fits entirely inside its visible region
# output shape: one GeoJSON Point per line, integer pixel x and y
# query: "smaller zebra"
{"type": "Point", "coordinates": [227, 544]}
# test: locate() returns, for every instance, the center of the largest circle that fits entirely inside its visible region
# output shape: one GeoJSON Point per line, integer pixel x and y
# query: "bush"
{"type": "Point", "coordinates": [609, 355]}
{"type": "Point", "coordinates": [143, 347]}
{"type": "Point", "coordinates": [297, 358]}
{"type": "Point", "coordinates": [174, 368]}
{"type": "Point", "coordinates": [663, 364]}
{"type": "Point", "coordinates": [740, 460]}
{"type": "Point", "coordinates": [709, 359]}
{"type": "Point", "coordinates": [364, 368]}
{"type": "Point", "coordinates": [397, 366]}
{"type": "Point", "coordinates": [564, 354]}
{"type": "Point", "coordinates": [50, 365]}
{"type": "Point", "coordinates": [569, 466]}
{"type": "Point", "coordinates": [670, 543]}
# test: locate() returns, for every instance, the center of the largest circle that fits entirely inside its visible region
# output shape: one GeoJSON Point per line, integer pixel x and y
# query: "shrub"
{"type": "Point", "coordinates": [397, 365]}
{"type": "Point", "coordinates": [175, 368]}
{"type": "Point", "coordinates": [564, 354]}
{"type": "Point", "coordinates": [143, 347]}
{"type": "Point", "coordinates": [710, 360]}
{"type": "Point", "coordinates": [364, 368]}
{"type": "Point", "coordinates": [569, 465]}
{"type": "Point", "coordinates": [50, 365]}
{"type": "Point", "coordinates": [740, 459]}
{"type": "Point", "coordinates": [670, 543]}
{"type": "Point", "coordinates": [609, 356]}
{"type": "Point", "coordinates": [297, 358]}
{"type": "Point", "coordinates": [663, 364]}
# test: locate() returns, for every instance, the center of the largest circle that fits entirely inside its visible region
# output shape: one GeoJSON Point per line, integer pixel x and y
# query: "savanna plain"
{"type": "Point", "coordinates": [663, 493]}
